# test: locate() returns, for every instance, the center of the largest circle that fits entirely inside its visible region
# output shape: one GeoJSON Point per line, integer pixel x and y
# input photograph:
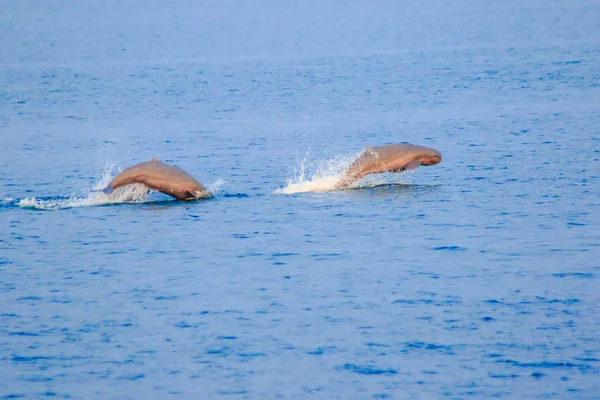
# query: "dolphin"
{"type": "Point", "coordinates": [162, 177]}
{"type": "Point", "coordinates": [389, 158]}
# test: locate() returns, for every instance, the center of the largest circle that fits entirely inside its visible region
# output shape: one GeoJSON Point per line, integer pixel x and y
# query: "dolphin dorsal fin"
{"type": "Point", "coordinates": [155, 159]}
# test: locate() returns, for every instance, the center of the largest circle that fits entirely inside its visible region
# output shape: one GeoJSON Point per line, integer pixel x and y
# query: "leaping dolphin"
{"type": "Point", "coordinates": [162, 177]}
{"type": "Point", "coordinates": [389, 158]}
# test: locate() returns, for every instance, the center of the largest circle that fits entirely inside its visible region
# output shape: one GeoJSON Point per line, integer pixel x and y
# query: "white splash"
{"type": "Point", "coordinates": [215, 186]}
{"type": "Point", "coordinates": [317, 176]}
{"type": "Point", "coordinates": [136, 193]}
{"type": "Point", "coordinates": [324, 175]}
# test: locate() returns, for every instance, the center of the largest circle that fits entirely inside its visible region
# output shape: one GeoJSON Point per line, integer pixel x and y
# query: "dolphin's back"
{"type": "Point", "coordinates": [389, 158]}
{"type": "Point", "coordinates": [384, 158]}
{"type": "Point", "coordinates": [397, 150]}
{"type": "Point", "coordinates": [159, 176]}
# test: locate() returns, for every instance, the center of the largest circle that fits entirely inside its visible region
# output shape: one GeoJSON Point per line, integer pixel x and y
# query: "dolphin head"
{"type": "Point", "coordinates": [431, 157]}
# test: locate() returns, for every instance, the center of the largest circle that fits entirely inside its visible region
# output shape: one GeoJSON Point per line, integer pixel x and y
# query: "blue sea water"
{"type": "Point", "coordinates": [474, 278]}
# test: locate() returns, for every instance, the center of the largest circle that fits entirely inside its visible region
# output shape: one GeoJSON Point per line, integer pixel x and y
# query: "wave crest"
{"type": "Point", "coordinates": [324, 175]}
{"type": "Point", "coordinates": [317, 175]}
{"type": "Point", "coordinates": [136, 193]}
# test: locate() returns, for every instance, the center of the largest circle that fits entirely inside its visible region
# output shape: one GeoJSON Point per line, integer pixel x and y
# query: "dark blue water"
{"type": "Point", "coordinates": [474, 278]}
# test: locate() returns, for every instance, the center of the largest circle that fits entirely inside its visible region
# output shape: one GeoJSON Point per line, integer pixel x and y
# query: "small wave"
{"type": "Point", "coordinates": [136, 193]}
{"type": "Point", "coordinates": [7, 202]}
{"type": "Point", "coordinates": [324, 184]}
{"type": "Point", "coordinates": [324, 176]}
{"type": "Point", "coordinates": [130, 194]}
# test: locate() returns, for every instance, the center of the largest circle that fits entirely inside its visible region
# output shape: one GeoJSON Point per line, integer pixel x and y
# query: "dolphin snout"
{"type": "Point", "coordinates": [432, 159]}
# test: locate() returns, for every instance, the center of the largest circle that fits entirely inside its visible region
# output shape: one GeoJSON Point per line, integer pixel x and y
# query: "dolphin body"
{"type": "Point", "coordinates": [389, 158]}
{"type": "Point", "coordinates": [162, 177]}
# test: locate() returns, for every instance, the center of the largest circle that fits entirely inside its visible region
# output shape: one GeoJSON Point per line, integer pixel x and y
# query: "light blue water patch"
{"type": "Point", "coordinates": [474, 278]}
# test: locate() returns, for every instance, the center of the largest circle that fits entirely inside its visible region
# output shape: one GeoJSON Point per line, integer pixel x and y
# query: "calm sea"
{"type": "Point", "coordinates": [475, 278]}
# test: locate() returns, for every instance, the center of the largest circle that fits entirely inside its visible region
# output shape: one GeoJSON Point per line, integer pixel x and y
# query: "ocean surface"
{"type": "Point", "coordinates": [475, 278]}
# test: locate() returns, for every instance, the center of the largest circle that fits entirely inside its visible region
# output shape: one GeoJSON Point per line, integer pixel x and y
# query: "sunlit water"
{"type": "Point", "coordinates": [474, 278]}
